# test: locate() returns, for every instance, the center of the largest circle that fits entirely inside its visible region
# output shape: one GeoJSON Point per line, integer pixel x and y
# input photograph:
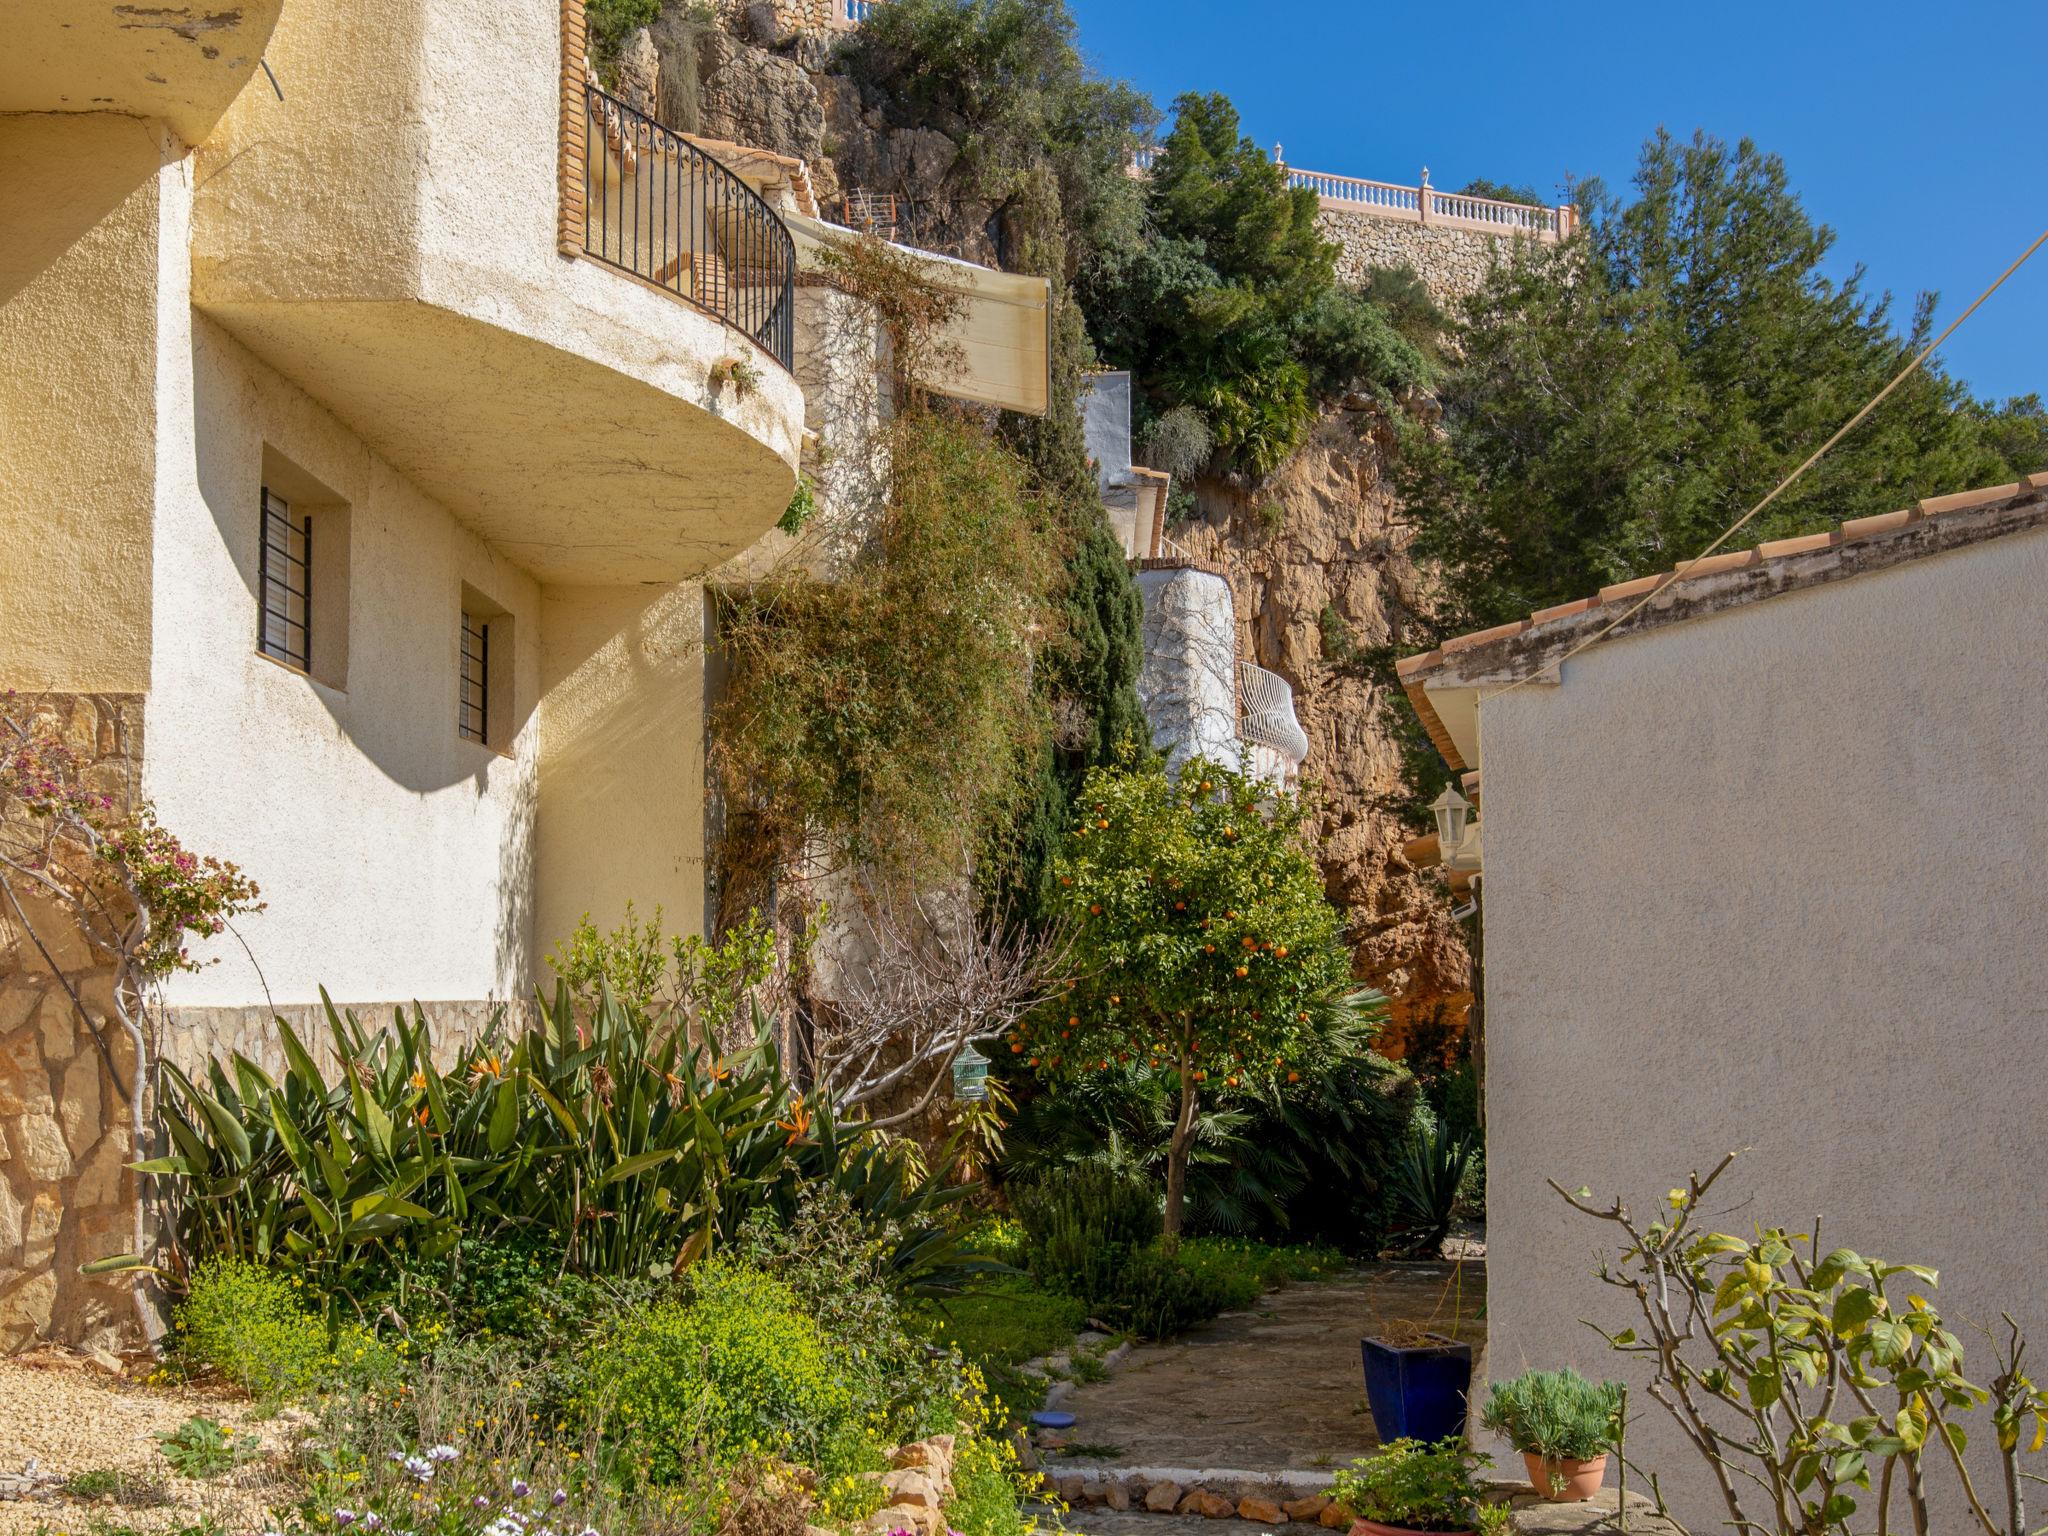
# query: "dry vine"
{"type": "Point", "coordinates": [934, 978]}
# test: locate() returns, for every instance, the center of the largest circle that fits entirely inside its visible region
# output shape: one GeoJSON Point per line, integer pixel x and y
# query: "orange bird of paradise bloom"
{"type": "Point", "coordinates": [488, 1067]}
{"type": "Point", "coordinates": [798, 1124]}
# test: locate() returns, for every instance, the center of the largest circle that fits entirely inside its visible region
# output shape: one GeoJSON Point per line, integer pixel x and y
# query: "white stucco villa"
{"type": "Point", "coordinates": [1762, 870]}
{"type": "Point", "coordinates": [380, 394]}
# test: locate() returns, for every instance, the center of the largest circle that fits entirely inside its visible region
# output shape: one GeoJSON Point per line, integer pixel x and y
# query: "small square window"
{"type": "Point", "coordinates": [302, 565]}
{"type": "Point", "coordinates": [285, 567]}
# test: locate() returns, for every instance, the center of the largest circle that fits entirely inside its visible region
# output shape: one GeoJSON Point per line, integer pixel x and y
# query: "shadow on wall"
{"type": "Point", "coordinates": [61, 175]}
{"type": "Point", "coordinates": [404, 568]}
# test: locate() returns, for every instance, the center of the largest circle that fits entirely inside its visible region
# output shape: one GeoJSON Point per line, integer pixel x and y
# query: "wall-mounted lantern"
{"type": "Point", "coordinates": [1450, 809]}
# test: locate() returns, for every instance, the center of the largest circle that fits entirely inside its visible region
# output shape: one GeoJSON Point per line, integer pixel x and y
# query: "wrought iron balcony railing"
{"type": "Point", "coordinates": [659, 207]}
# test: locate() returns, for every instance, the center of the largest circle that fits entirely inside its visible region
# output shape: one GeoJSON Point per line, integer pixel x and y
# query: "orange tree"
{"type": "Point", "coordinates": [1203, 943]}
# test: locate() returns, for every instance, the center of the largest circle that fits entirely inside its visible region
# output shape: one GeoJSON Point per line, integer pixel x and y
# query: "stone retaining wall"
{"type": "Point", "coordinates": [64, 1191]}
{"type": "Point", "coordinates": [1450, 262]}
{"type": "Point", "coordinates": [779, 16]}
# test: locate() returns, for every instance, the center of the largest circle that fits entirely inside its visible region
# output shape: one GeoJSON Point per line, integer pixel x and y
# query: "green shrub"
{"type": "Point", "coordinates": [600, 1141]}
{"type": "Point", "coordinates": [1425, 1184]}
{"type": "Point", "coordinates": [250, 1325]}
{"type": "Point", "coordinates": [1416, 1486]}
{"type": "Point", "coordinates": [1159, 1295]}
{"type": "Point", "coordinates": [987, 1483]}
{"type": "Point", "coordinates": [737, 1366]}
{"type": "Point", "coordinates": [838, 1268]}
{"type": "Point", "coordinates": [1082, 1228]}
{"type": "Point", "coordinates": [202, 1447]}
{"type": "Point", "coordinates": [1556, 1414]}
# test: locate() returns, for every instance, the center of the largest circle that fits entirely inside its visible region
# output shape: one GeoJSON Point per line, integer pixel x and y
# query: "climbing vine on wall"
{"type": "Point", "coordinates": [887, 718]}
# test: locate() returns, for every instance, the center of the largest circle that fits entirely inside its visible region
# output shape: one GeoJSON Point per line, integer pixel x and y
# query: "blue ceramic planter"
{"type": "Point", "coordinates": [1417, 1393]}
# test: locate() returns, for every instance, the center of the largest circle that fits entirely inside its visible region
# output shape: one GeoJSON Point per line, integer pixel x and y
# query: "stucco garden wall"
{"type": "Point", "coordinates": [1450, 262]}
{"type": "Point", "coordinates": [1770, 880]}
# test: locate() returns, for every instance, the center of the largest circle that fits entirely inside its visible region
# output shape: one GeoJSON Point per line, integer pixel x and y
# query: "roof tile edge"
{"type": "Point", "coordinates": [1521, 648]}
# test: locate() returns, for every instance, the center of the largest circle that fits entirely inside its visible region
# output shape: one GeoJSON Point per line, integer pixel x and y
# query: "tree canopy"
{"type": "Point", "coordinates": [1617, 401]}
{"type": "Point", "coordinates": [1230, 304]}
{"type": "Point", "coordinates": [1203, 942]}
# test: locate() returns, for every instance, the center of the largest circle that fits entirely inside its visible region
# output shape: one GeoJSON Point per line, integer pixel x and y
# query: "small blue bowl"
{"type": "Point", "coordinates": [1048, 1420]}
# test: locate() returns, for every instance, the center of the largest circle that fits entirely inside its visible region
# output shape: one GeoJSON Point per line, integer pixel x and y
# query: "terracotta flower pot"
{"type": "Point", "coordinates": [1561, 1480]}
{"type": "Point", "coordinates": [1374, 1528]}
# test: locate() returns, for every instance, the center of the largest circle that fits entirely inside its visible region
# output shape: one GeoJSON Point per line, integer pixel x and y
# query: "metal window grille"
{"type": "Point", "coordinates": [473, 710]}
{"type": "Point", "coordinates": [285, 577]}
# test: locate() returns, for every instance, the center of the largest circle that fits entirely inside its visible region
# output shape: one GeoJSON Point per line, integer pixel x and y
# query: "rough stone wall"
{"type": "Point", "coordinates": [1450, 262]}
{"type": "Point", "coordinates": [1337, 543]}
{"type": "Point", "coordinates": [776, 17]}
{"type": "Point", "coordinates": [64, 1191]}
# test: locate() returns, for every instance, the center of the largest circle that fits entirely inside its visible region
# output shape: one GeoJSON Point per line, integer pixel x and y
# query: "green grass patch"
{"type": "Point", "coordinates": [1000, 1323]}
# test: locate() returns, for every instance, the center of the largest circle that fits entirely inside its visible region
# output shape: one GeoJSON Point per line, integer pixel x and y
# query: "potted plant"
{"type": "Point", "coordinates": [1417, 1377]}
{"type": "Point", "coordinates": [1564, 1426]}
{"type": "Point", "coordinates": [1409, 1486]}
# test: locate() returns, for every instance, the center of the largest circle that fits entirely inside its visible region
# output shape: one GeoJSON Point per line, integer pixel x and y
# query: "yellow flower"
{"type": "Point", "coordinates": [1677, 1197]}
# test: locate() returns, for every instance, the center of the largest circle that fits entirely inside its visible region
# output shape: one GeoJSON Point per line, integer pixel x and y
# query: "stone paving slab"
{"type": "Point", "coordinates": [1280, 1386]}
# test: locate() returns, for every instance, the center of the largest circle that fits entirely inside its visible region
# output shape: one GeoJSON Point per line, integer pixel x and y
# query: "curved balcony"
{"type": "Point", "coordinates": [399, 243]}
{"type": "Point", "coordinates": [657, 206]}
{"type": "Point", "coordinates": [1267, 726]}
{"type": "Point", "coordinates": [183, 64]}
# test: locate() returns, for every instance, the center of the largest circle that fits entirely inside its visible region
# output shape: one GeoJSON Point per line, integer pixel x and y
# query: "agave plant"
{"type": "Point", "coordinates": [626, 1145]}
{"type": "Point", "coordinates": [1424, 1183]}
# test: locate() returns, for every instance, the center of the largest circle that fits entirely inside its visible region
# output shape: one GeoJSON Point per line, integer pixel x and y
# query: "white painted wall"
{"type": "Point", "coordinates": [1771, 879]}
{"type": "Point", "coordinates": [1187, 681]}
{"type": "Point", "coordinates": [394, 856]}
{"type": "Point", "coordinates": [621, 814]}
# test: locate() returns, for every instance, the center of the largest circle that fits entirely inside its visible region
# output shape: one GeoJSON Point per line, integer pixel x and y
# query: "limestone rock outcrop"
{"type": "Point", "coordinates": [1318, 564]}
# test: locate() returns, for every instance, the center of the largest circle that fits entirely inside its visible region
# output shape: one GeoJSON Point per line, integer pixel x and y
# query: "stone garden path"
{"type": "Point", "coordinates": [1276, 1388]}
{"type": "Point", "coordinates": [1276, 1393]}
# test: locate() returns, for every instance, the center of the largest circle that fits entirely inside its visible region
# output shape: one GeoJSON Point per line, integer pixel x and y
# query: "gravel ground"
{"type": "Point", "coordinates": [69, 1417]}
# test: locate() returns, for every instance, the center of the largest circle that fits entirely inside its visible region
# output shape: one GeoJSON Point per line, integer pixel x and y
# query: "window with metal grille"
{"type": "Point", "coordinates": [473, 709]}
{"type": "Point", "coordinates": [285, 576]}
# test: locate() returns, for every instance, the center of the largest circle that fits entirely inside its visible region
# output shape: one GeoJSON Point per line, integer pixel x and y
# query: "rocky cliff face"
{"type": "Point", "coordinates": [1317, 563]}
{"type": "Point", "coordinates": [1315, 556]}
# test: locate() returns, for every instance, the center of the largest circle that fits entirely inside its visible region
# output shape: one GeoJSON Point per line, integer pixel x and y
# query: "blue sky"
{"type": "Point", "coordinates": [1916, 131]}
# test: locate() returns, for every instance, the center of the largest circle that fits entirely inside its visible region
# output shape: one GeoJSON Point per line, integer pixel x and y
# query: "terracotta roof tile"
{"type": "Point", "coordinates": [1411, 669]}
{"type": "Point", "coordinates": [1931, 506]}
{"type": "Point", "coordinates": [1799, 546]}
{"type": "Point", "coordinates": [1884, 522]}
{"type": "Point", "coordinates": [1714, 565]}
{"type": "Point", "coordinates": [1628, 589]}
{"type": "Point", "coordinates": [1498, 632]}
